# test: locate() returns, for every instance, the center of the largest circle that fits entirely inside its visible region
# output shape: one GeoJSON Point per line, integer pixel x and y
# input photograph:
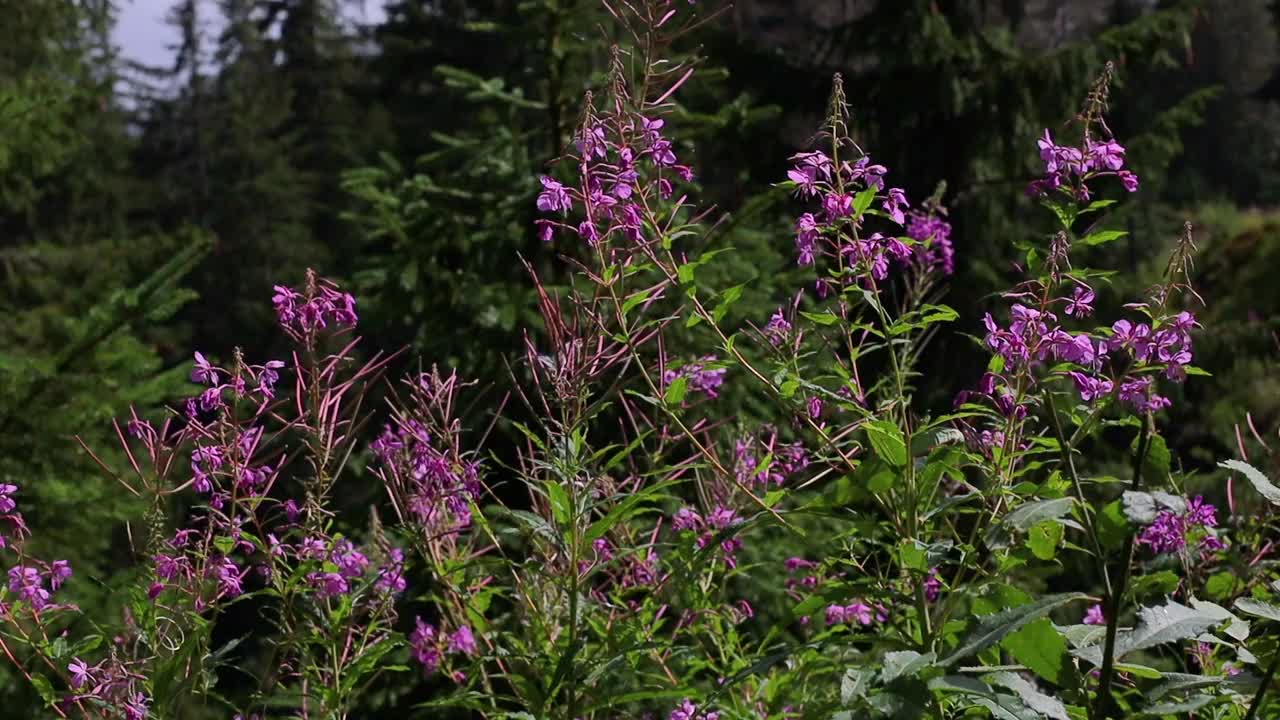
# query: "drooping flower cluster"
{"type": "Point", "coordinates": [243, 380]}
{"type": "Point", "coordinates": [111, 683]}
{"type": "Point", "coordinates": [439, 486]}
{"type": "Point", "coordinates": [686, 710]}
{"type": "Point", "coordinates": [1070, 169]}
{"type": "Point", "coordinates": [701, 376]}
{"type": "Point", "coordinates": [431, 646]}
{"type": "Point", "coordinates": [715, 524]}
{"type": "Point", "coordinates": [835, 232]}
{"type": "Point", "coordinates": [319, 305]}
{"type": "Point", "coordinates": [1170, 530]}
{"type": "Point", "coordinates": [625, 165]}
{"type": "Point", "coordinates": [856, 612]}
{"type": "Point", "coordinates": [932, 233]}
{"type": "Point", "coordinates": [761, 460]}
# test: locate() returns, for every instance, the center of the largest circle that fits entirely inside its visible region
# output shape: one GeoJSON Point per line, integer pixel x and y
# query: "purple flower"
{"type": "Point", "coordinates": [1108, 155]}
{"type": "Point", "coordinates": [778, 328]}
{"type": "Point", "coordinates": [932, 586]}
{"type": "Point", "coordinates": [350, 561]}
{"type": "Point", "coordinates": [423, 643]}
{"type": "Point", "coordinates": [7, 503]}
{"type": "Point", "coordinates": [229, 577]}
{"type": "Point", "coordinates": [837, 206]}
{"type": "Point", "coordinates": [1081, 303]}
{"type": "Point", "coordinates": [329, 584]}
{"type": "Point", "coordinates": [60, 572]}
{"type": "Point", "coordinates": [1166, 534]}
{"type": "Point", "coordinates": [1137, 393]}
{"type": "Point", "coordinates": [136, 707]}
{"type": "Point", "coordinates": [1129, 180]}
{"type": "Point", "coordinates": [1094, 616]}
{"type": "Point", "coordinates": [858, 612]}
{"type": "Point", "coordinates": [835, 614]}
{"type": "Point", "coordinates": [27, 583]}
{"type": "Point", "coordinates": [554, 197]}
{"type": "Point", "coordinates": [1201, 513]}
{"type": "Point", "coordinates": [391, 576]}
{"type": "Point", "coordinates": [815, 407]}
{"type": "Point", "coordinates": [806, 238]}
{"type": "Point", "coordinates": [894, 205]}
{"type": "Point", "coordinates": [204, 373]}
{"type": "Point", "coordinates": [79, 673]}
{"type": "Point", "coordinates": [1091, 388]}
{"type": "Point", "coordinates": [462, 641]}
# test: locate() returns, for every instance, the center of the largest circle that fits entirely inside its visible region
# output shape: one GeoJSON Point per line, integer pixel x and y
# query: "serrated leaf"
{"type": "Point", "coordinates": [1042, 649]}
{"type": "Point", "coordinates": [887, 441]}
{"type": "Point", "coordinates": [1043, 539]}
{"type": "Point", "coordinates": [1257, 608]}
{"type": "Point", "coordinates": [1157, 625]}
{"type": "Point", "coordinates": [1255, 477]}
{"type": "Point", "coordinates": [1031, 696]}
{"type": "Point", "coordinates": [992, 628]}
{"type": "Point", "coordinates": [904, 664]}
{"type": "Point", "coordinates": [855, 683]}
{"type": "Point", "coordinates": [1142, 508]}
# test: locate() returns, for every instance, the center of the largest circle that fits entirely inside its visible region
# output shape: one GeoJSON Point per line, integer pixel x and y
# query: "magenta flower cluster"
{"type": "Point", "coordinates": [441, 487]}
{"type": "Point", "coordinates": [430, 646]}
{"type": "Point", "coordinates": [687, 710]}
{"type": "Point", "coordinates": [701, 376]}
{"type": "Point", "coordinates": [761, 460]}
{"type": "Point", "coordinates": [319, 305]}
{"type": "Point", "coordinates": [624, 162]}
{"type": "Point", "coordinates": [1069, 169]}
{"type": "Point", "coordinates": [1169, 532]}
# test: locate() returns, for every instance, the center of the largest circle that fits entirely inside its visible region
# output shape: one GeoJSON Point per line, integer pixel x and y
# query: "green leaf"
{"type": "Point", "coordinates": [993, 628]}
{"type": "Point", "coordinates": [863, 200]}
{"type": "Point", "coordinates": [1256, 478]}
{"type": "Point", "coordinates": [1156, 625]}
{"type": "Point", "coordinates": [904, 664]}
{"type": "Point", "coordinates": [1257, 608]}
{"type": "Point", "coordinates": [1043, 539]}
{"type": "Point", "coordinates": [825, 318]}
{"type": "Point", "coordinates": [912, 555]}
{"type": "Point", "coordinates": [1041, 648]}
{"type": "Point", "coordinates": [887, 441]}
{"type": "Point", "coordinates": [1031, 696]}
{"type": "Point", "coordinates": [1155, 466]}
{"type": "Point", "coordinates": [636, 298]}
{"type": "Point", "coordinates": [561, 507]}
{"type": "Point", "coordinates": [676, 391]}
{"type": "Point", "coordinates": [727, 299]}
{"type": "Point", "coordinates": [626, 509]}
{"type": "Point", "coordinates": [1112, 526]}
{"type": "Point", "coordinates": [1102, 237]}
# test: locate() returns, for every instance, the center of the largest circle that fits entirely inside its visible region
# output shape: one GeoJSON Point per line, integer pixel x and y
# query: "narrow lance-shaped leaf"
{"type": "Point", "coordinates": [1256, 478]}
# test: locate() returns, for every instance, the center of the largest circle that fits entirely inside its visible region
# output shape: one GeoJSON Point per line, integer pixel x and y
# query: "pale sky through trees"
{"type": "Point", "coordinates": [143, 35]}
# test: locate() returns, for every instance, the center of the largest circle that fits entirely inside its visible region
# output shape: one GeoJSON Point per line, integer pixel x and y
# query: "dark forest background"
{"type": "Point", "coordinates": [146, 212]}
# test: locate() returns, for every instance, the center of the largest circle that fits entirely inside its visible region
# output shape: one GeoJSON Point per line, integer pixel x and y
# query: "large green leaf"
{"type": "Point", "coordinates": [993, 628]}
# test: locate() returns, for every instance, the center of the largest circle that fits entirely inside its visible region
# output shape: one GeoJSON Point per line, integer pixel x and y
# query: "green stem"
{"type": "Point", "coordinates": [1256, 705]}
{"type": "Point", "coordinates": [1107, 706]}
